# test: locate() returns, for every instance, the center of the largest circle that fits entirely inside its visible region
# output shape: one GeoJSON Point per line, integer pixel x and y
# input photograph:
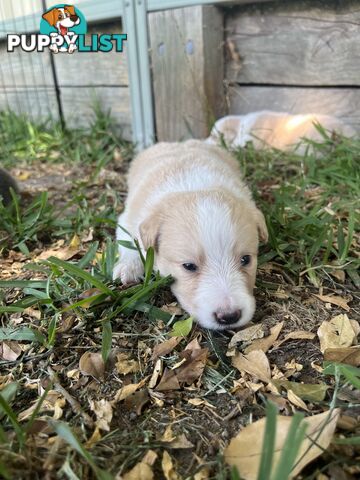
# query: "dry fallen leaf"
{"type": "Point", "coordinates": [335, 300]}
{"type": "Point", "coordinates": [189, 369]}
{"type": "Point", "coordinates": [124, 365]}
{"type": "Point", "coordinates": [247, 335]}
{"type": "Point", "coordinates": [255, 363]}
{"type": "Point", "coordinates": [348, 355]}
{"type": "Point", "coordinates": [137, 401]}
{"type": "Point", "coordinates": [103, 411]}
{"type": "Point", "coordinates": [128, 390]}
{"type": "Point", "coordinates": [165, 347]}
{"type": "Point", "coordinates": [175, 441]}
{"type": "Point", "coordinates": [141, 471]}
{"type": "Point", "coordinates": [168, 467]}
{"type": "Point", "coordinates": [168, 381]}
{"type": "Point", "coordinates": [265, 343]}
{"type": "Point", "coordinates": [244, 450]}
{"type": "Point", "coordinates": [312, 392]}
{"type": "Point", "coordinates": [63, 253]}
{"type": "Point", "coordinates": [336, 333]}
{"type": "Point", "coordinates": [10, 350]}
{"type": "Point", "coordinates": [158, 369]}
{"type": "Point", "coordinates": [54, 402]}
{"type": "Point", "coordinates": [92, 364]}
{"type": "Point", "coordinates": [295, 400]}
{"type": "Point", "coordinates": [200, 401]}
{"type": "Point", "coordinates": [297, 335]}
{"type": "Point", "coordinates": [172, 308]}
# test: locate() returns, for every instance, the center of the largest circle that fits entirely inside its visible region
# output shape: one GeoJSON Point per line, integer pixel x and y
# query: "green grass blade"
{"type": "Point", "coordinates": [37, 409]}
{"type": "Point", "coordinates": [149, 264]}
{"type": "Point", "coordinates": [5, 407]}
{"type": "Point", "coordinates": [23, 284]}
{"type": "Point", "coordinates": [268, 445]}
{"type": "Point", "coordinates": [78, 272]}
{"type": "Point", "coordinates": [106, 340]}
{"type": "Point", "coordinates": [89, 256]}
{"type": "Point", "coordinates": [291, 448]}
{"type": "Point", "coordinates": [64, 431]}
{"type": "Point", "coordinates": [8, 393]}
{"type": "Point", "coordinates": [21, 334]}
{"type": "Point", "coordinates": [347, 441]}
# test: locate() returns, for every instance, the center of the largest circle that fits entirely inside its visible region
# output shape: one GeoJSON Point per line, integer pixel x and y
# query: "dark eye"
{"type": "Point", "coordinates": [245, 260]}
{"type": "Point", "coordinates": [190, 266]}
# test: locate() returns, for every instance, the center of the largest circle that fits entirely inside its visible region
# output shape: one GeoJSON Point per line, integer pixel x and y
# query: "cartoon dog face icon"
{"type": "Point", "coordinates": [62, 19]}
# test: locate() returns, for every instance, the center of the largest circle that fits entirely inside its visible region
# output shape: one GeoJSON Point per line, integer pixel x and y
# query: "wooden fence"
{"type": "Point", "coordinates": [206, 61]}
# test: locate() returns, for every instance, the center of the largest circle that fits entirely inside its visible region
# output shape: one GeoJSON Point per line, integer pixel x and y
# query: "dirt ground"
{"type": "Point", "coordinates": [193, 423]}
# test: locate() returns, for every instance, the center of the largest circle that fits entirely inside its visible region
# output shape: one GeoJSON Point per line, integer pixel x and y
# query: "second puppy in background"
{"type": "Point", "coordinates": [188, 201]}
{"type": "Point", "coordinates": [266, 129]}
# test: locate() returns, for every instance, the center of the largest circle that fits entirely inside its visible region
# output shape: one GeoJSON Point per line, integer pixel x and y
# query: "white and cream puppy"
{"type": "Point", "coordinates": [189, 202]}
{"type": "Point", "coordinates": [267, 129]}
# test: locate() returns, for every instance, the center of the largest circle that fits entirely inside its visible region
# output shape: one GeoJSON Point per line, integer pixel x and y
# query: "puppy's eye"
{"type": "Point", "coordinates": [190, 266]}
{"type": "Point", "coordinates": [245, 260]}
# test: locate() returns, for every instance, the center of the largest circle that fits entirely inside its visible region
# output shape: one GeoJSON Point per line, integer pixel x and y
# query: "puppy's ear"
{"type": "Point", "coordinates": [150, 231]}
{"type": "Point", "coordinates": [70, 9]}
{"type": "Point", "coordinates": [262, 228]}
{"type": "Point", "coordinates": [50, 17]}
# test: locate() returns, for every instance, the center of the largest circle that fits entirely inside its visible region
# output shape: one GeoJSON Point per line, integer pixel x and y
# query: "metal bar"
{"type": "Point", "coordinates": [144, 71]}
{"type": "Point", "coordinates": [135, 25]}
{"type": "Point", "coordinates": [134, 74]}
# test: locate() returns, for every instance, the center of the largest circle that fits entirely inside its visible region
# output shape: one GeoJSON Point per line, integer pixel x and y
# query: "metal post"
{"type": "Point", "coordinates": [136, 27]}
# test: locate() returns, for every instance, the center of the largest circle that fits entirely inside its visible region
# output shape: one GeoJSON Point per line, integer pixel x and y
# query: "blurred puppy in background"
{"type": "Point", "coordinates": [188, 201]}
{"type": "Point", "coordinates": [6, 183]}
{"type": "Point", "coordinates": [279, 130]}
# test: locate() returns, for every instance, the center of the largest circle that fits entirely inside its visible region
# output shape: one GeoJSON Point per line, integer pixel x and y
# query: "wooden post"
{"type": "Point", "coordinates": [187, 71]}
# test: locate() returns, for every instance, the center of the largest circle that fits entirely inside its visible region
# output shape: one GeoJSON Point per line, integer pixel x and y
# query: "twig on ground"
{"type": "Point", "coordinates": [75, 405]}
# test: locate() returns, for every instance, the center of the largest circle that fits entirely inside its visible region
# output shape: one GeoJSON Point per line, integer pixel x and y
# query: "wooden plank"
{"type": "Point", "coordinates": [157, 5]}
{"type": "Point", "coordinates": [341, 102]}
{"type": "Point", "coordinates": [182, 83]}
{"type": "Point", "coordinates": [38, 104]}
{"type": "Point", "coordinates": [77, 105]}
{"type": "Point", "coordinates": [294, 43]}
{"type": "Point", "coordinates": [90, 68]}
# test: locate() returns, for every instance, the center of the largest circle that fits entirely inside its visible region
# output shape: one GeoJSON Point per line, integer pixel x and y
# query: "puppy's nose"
{"type": "Point", "coordinates": [74, 18]}
{"type": "Point", "coordinates": [227, 318]}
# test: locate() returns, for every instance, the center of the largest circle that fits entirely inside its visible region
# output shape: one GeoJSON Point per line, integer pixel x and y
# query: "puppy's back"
{"type": "Point", "coordinates": [181, 167]}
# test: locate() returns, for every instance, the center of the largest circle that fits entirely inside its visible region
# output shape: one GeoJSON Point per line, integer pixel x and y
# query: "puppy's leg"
{"type": "Point", "coordinates": [129, 267]}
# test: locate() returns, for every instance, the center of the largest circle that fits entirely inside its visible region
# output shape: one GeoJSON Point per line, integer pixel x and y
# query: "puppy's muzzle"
{"type": "Point", "coordinates": [227, 318]}
{"type": "Point", "coordinates": [74, 18]}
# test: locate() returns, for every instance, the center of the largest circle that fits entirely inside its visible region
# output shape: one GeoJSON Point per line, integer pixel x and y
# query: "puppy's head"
{"type": "Point", "coordinates": [65, 17]}
{"type": "Point", "coordinates": [208, 242]}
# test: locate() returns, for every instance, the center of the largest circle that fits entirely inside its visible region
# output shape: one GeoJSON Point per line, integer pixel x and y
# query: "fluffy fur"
{"type": "Point", "coordinates": [279, 130]}
{"type": "Point", "coordinates": [188, 201]}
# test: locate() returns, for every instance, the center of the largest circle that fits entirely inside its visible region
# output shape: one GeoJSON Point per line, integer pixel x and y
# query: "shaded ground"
{"type": "Point", "coordinates": [194, 422]}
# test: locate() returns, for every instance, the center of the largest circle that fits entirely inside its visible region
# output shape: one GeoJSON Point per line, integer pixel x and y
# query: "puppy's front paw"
{"type": "Point", "coordinates": [129, 271]}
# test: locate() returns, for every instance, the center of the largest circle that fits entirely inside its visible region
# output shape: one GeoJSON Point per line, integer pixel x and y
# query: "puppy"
{"type": "Point", "coordinates": [62, 19]}
{"type": "Point", "coordinates": [279, 130]}
{"type": "Point", "coordinates": [189, 202]}
{"type": "Point", "coordinates": [7, 182]}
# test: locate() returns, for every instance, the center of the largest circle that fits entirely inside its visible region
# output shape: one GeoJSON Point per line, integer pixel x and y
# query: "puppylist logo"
{"type": "Point", "coordinates": [62, 30]}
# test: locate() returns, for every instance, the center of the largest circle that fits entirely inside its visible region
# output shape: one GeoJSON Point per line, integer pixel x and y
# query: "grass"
{"type": "Point", "coordinates": [316, 195]}
{"type": "Point", "coordinates": [58, 309]}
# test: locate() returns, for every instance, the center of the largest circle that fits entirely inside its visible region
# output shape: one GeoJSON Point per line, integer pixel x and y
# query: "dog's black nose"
{"type": "Point", "coordinates": [74, 18]}
{"type": "Point", "coordinates": [228, 318]}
